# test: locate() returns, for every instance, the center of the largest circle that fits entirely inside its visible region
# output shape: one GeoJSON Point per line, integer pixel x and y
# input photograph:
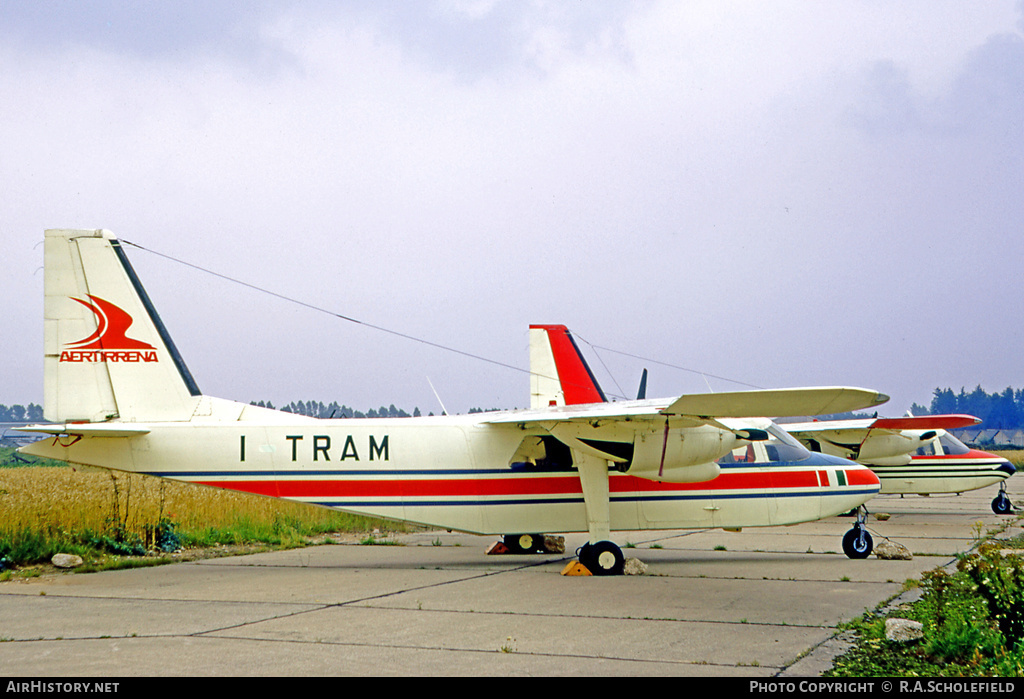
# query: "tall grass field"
{"type": "Point", "coordinates": [49, 507]}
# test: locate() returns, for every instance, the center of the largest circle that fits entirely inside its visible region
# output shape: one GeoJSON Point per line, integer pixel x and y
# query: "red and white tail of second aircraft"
{"type": "Point", "coordinates": [558, 373]}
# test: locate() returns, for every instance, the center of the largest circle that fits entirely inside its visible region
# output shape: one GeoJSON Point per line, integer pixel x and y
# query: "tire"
{"type": "Point", "coordinates": [1002, 505]}
{"type": "Point", "coordinates": [602, 558]}
{"type": "Point", "coordinates": [857, 543]}
{"type": "Point", "coordinates": [522, 543]}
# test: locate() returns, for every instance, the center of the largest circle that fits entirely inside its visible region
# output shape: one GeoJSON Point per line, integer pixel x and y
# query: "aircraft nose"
{"type": "Point", "coordinates": [870, 478]}
{"type": "Point", "coordinates": [1007, 468]}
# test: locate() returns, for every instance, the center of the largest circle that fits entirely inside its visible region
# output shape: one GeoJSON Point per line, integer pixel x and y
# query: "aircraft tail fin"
{"type": "Point", "coordinates": [641, 393]}
{"type": "Point", "coordinates": [107, 354]}
{"type": "Point", "coordinates": [559, 375]}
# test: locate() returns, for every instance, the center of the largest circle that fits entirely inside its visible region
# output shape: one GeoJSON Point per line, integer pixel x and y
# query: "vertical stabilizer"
{"type": "Point", "coordinates": [559, 375]}
{"type": "Point", "coordinates": [107, 355]}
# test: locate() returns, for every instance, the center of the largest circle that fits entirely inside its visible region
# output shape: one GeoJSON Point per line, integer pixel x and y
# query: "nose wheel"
{"type": "Point", "coordinates": [1002, 505]}
{"type": "Point", "coordinates": [857, 542]}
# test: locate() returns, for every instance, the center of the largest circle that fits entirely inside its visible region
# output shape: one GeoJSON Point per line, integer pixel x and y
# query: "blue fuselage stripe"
{"type": "Point", "coordinates": [540, 500]}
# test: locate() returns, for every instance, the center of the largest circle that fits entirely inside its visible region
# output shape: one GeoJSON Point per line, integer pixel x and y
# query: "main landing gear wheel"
{"type": "Point", "coordinates": [524, 543]}
{"type": "Point", "coordinates": [857, 542]}
{"type": "Point", "coordinates": [1002, 505]}
{"type": "Point", "coordinates": [602, 558]}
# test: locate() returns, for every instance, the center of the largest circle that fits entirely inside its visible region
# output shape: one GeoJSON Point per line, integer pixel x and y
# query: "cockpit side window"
{"type": "Point", "coordinates": [952, 445]}
{"type": "Point", "coordinates": [740, 455]}
{"type": "Point", "coordinates": [781, 447]}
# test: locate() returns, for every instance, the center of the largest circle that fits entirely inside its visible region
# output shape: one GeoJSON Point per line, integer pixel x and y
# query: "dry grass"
{"type": "Point", "coordinates": [64, 502]}
{"type": "Point", "coordinates": [1014, 456]}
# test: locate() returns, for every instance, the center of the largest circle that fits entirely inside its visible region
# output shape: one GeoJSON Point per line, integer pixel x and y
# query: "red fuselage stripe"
{"type": "Point", "coordinates": [558, 485]}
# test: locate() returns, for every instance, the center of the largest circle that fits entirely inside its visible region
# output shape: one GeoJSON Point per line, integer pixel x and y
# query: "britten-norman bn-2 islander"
{"type": "Point", "coordinates": [561, 376]}
{"type": "Point", "coordinates": [120, 397]}
{"type": "Point", "coordinates": [913, 454]}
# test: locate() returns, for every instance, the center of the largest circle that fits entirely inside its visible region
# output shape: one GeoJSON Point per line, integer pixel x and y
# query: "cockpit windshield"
{"type": "Point", "coordinates": [780, 447]}
{"type": "Point", "coordinates": [952, 445]}
{"type": "Point", "coordinates": [944, 444]}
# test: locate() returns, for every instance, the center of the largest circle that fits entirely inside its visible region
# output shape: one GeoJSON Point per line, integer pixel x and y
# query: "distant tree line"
{"type": "Point", "coordinates": [998, 411]}
{"type": "Point", "coordinates": [19, 413]}
{"type": "Point", "coordinates": [311, 408]}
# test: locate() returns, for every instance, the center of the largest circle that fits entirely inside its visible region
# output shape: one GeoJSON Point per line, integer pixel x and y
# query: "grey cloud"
{"type": "Point", "coordinates": [887, 104]}
{"type": "Point", "coordinates": [144, 27]}
{"type": "Point", "coordinates": [990, 91]}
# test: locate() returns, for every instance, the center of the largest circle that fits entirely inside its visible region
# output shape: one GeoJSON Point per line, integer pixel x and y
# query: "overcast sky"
{"type": "Point", "coordinates": [775, 193]}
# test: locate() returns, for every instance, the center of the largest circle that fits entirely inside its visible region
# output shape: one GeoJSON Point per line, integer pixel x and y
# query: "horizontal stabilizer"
{"type": "Point", "coordinates": [88, 429]}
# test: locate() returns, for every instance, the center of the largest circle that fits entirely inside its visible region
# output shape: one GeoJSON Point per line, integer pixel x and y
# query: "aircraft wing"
{"type": "Point", "coordinates": [592, 428]}
{"type": "Point", "coordinates": [880, 441]}
{"type": "Point", "coordinates": [700, 407]}
{"type": "Point", "coordinates": [587, 412]}
{"type": "Point", "coordinates": [783, 402]}
{"type": "Point", "coordinates": [860, 428]}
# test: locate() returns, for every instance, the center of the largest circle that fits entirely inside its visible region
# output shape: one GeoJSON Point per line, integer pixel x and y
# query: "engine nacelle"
{"type": "Point", "coordinates": [882, 448]}
{"type": "Point", "coordinates": [697, 473]}
{"type": "Point", "coordinates": [686, 456]}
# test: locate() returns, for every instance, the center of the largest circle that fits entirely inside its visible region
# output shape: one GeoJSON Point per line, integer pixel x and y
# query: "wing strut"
{"type": "Point", "coordinates": [599, 555]}
{"type": "Point", "coordinates": [664, 446]}
{"type": "Point", "coordinates": [594, 479]}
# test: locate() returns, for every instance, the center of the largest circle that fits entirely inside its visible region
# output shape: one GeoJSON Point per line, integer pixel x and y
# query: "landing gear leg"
{"type": "Point", "coordinates": [857, 542]}
{"type": "Point", "coordinates": [600, 556]}
{"type": "Point", "coordinates": [1002, 505]}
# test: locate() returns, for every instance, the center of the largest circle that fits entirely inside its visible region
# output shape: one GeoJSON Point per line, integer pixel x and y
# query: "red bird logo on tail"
{"type": "Point", "coordinates": [110, 341]}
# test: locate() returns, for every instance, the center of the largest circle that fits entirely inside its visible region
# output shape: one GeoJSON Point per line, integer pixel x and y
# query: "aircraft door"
{"type": "Point", "coordinates": [746, 476]}
{"type": "Point", "coordinates": [683, 505]}
{"type": "Point", "coordinates": [259, 462]}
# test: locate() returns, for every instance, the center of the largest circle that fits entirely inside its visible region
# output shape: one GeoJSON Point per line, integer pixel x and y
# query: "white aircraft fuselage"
{"type": "Point", "coordinates": [456, 472]}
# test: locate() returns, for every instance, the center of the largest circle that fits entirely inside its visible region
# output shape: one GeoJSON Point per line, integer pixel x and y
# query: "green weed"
{"type": "Point", "coordinates": [374, 541]}
{"type": "Point", "coordinates": [973, 620]}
